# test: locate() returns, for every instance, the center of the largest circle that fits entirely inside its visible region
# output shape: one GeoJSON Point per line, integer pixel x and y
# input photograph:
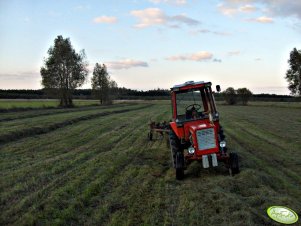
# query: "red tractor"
{"type": "Point", "coordinates": [195, 132]}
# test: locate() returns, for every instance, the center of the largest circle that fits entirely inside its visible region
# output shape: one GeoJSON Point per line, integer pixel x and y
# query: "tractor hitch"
{"type": "Point", "coordinates": [160, 128]}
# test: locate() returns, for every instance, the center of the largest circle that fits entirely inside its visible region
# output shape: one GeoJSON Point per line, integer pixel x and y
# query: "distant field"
{"type": "Point", "coordinates": [276, 104]}
{"type": "Point", "coordinates": [269, 104]}
{"type": "Point", "coordinates": [94, 165]}
{"type": "Point", "coordinates": [37, 103]}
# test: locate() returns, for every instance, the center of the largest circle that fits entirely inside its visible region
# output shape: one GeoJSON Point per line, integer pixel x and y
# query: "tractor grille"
{"type": "Point", "coordinates": [206, 138]}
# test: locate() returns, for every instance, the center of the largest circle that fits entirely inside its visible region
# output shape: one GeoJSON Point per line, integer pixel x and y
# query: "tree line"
{"type": "Point", "coordinates": [116, 93]}
{"type": "Point", "coordinates": [122, 93]}
{"type": "Point", "coordinates": [64, 70]}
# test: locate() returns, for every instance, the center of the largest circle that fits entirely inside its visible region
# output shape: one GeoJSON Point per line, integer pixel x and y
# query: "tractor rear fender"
{"type": "Point", "coordinates": [179, 131]}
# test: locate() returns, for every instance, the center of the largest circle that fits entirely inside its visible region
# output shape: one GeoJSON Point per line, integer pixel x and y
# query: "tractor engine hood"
{"type": "Point", "coordinates": [204, 138]}
{"type": "Point", "coordinates": [194, 128]}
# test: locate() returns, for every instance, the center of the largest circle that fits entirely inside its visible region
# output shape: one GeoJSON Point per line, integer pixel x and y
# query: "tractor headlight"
{"type": "Point", "coordinates": [222, 144]}
{"type": "Point", "coordinates": [191, 150]}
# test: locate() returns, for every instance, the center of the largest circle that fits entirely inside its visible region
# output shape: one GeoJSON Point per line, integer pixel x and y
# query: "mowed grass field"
{"type": "Point", "coordinates": [94, 166]}
{"type": "Point", "coordinates": [19, 104]}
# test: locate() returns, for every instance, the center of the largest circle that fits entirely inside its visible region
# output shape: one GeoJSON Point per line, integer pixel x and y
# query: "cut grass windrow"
{"type": "Point", "coordinates": [57, 116]}
{"type": "Point", "coordinates": [44, 111]}
{"type": "Point", "coordinates": [17, 105]}
{"type": "Point", "coordinates": [15, 135]}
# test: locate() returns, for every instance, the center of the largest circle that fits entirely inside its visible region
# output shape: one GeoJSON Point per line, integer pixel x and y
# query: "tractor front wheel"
{"type": "Point", "coordinates": [179, 165]}
{"type": "Point", "coordinates": [233, 164]}
{"type": "Point", "coordinates": [180, 174]}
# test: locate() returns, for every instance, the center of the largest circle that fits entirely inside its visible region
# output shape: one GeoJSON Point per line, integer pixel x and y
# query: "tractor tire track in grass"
{"type": "Point", "coordinates": [42, 130]}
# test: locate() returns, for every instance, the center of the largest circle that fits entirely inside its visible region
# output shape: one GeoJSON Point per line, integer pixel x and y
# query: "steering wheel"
{"type": "Point", "coordinates": [193, 105]}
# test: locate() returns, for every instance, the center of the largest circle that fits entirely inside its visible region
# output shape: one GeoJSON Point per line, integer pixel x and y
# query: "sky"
{"type": "Point", "coordinates": [150, 44]}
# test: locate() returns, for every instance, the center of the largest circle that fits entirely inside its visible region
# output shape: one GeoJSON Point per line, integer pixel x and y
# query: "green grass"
{"type": "Point", "coordinates": [104, 171]}
{"type": "Point", "coordinates": [269, 104]}
{"type": "Point", "coordinates": [47, 103]}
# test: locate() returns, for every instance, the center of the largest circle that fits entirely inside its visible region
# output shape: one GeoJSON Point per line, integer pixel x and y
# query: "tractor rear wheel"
{"type": "Point", "coordinates": [150, 136]}
{"type": "Point", "coordinates": [177, 155]}
{"type": "Point", "coordinates": [233, 164]}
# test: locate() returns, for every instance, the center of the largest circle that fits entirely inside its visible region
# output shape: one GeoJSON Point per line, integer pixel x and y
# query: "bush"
{"type": "Point", "coordinates": [244, 95]}
{"type": "Point", "coordinates": [230, 96]}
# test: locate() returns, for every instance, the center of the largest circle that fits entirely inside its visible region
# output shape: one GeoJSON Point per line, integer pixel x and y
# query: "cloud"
{"type": "Point", "coordinates": [227, 11]}
{"type": "Point", "coordinates": [247, 8]}
{"type": "Point", "coordinates": [233, 53]}
{"type": "Point", "coordinates": [207, 31]}
{"type": "Point", "coordinates": [177, 2]}
{"type": "Point", "coordinates": [155, 16]}
{"type": "Point", "coordinates": [257, 59]}
{"type": "Point", "coordinates": [230, 10]}
{"type": "Point", "coordinates": [275, 8]}
{"type": "Point", "coordinates": [199, 56]}
{"type": "Point", "coordinates": [149, 17]}
{"type": "Point", "coordinates": [19, 76]}
{"type": "Point", "coordinates": [283, 8]}
{"type": "Point", "coordinates": [217, 60]}
{"type": "Point", "coordinates": [183, 19]}
{"type": "Point", "coordinates": [105, 19]}
{"type": "Point", "coordinates": [125, 64]}
{"type": "Point", "coordinates": [262, 19]}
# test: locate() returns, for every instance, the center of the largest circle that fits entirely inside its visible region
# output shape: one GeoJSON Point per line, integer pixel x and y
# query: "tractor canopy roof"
{"type": "Point", "coordinates": [190, 85]}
